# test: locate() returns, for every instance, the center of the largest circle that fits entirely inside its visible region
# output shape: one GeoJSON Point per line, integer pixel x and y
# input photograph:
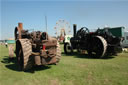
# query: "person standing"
{"type": "Point", "coordinates": [6, 44]}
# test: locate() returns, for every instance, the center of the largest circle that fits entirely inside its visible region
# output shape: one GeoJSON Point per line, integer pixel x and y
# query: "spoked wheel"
{"type": "Point", "coordinates": [23, 54]}
{"type": "Point", "coordinates": [68, 48]}
{"type": "Point", "coordinates": [98, 47]}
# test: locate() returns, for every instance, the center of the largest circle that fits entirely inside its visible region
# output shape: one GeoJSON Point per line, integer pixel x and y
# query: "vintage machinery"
{"type": "Point", "coordinates": [35, 48]}
{"type": "Point", "coordinates": [97, 44]}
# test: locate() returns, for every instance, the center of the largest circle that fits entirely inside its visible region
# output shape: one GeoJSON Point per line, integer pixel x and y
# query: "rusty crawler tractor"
{"type": "Point", "coordinates": [97, 44]}
{"type": "Point", "coordinates": [35, 48]}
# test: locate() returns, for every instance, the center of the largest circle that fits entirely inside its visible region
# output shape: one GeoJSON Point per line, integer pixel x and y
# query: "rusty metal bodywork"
{"type": "Point", "coordinates": [35, 48]}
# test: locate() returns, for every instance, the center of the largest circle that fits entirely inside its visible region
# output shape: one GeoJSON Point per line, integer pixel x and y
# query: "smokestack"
{"type": "Point", "coordinates": [74, 29]}
{"type": "Point", "coordinates": [20, 25]}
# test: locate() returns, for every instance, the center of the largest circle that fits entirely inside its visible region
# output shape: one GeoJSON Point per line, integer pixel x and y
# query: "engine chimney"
{"type": "Point", "coordinates": [74, 29]}
{"type": "Point", "coordinates": [20, 25]}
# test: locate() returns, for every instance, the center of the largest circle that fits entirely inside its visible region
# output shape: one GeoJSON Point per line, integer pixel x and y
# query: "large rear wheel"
{"type": "Point", "coordinates": [23, 54]}
{"type": "Point", "coordinates": [98, 47]}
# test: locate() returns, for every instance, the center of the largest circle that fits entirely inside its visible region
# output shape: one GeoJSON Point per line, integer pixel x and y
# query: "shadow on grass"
{"type": "Point", "coordinates": [12, 65]}
{"type": "Point", "coordinates": [37, 68]}
{"type": "Point", "coordinates": [7, 60]}
{"type": "Point", "coordinates": [85, 56]}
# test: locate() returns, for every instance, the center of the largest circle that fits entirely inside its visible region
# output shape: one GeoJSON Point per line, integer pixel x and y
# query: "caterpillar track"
{"type": "Point", "coordinates": [58, 53]}
{"type": "Point", "coordinates": [23, 53]}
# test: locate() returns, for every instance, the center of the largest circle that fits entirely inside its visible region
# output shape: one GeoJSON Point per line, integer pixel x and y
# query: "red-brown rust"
{"type": "Point", "coordinates": [20, 26]}
{"type": "Point", "coordinates": [38, 48]}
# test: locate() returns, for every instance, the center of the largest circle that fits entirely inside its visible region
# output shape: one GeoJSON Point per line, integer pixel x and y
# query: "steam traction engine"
{"type": "Point", "coordinates": [35, 48]}
{"type": "Point", "coordinates": [97, 44]}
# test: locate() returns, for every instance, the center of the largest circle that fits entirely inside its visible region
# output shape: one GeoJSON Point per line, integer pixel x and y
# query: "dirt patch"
{"type": "Point", "coordinates": [55, 82]}
{"type": "Point", "coordinates": [106, 81]}
{"type": "Point", "coordinates": [90, 77]}
{"type": "Point", "coordinates": [82, 66]}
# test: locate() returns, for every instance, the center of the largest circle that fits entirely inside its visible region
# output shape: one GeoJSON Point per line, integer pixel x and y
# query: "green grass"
{"type": "Point", "coordinates": [72, 70]}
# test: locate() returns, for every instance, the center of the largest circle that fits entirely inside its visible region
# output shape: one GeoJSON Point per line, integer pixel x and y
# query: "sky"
{"type": "Point", "coordinates": [89, 13]}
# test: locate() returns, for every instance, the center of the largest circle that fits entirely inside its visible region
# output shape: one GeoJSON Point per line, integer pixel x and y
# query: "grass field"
{"type": "Point", "coordinates": [72, 70]}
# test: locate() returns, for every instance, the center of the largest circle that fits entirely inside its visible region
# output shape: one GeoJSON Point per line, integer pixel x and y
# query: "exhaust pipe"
{"type": "Point", "coordinates": [20, 25]}
{"type": "Point", "coordinates": [74, 29]}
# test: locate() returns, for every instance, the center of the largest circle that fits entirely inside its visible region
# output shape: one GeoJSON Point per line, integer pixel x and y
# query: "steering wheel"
{"type": "Point", "coordinates": [85, 30]}
{"type": "Point", "coordinates": [82, 32]}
